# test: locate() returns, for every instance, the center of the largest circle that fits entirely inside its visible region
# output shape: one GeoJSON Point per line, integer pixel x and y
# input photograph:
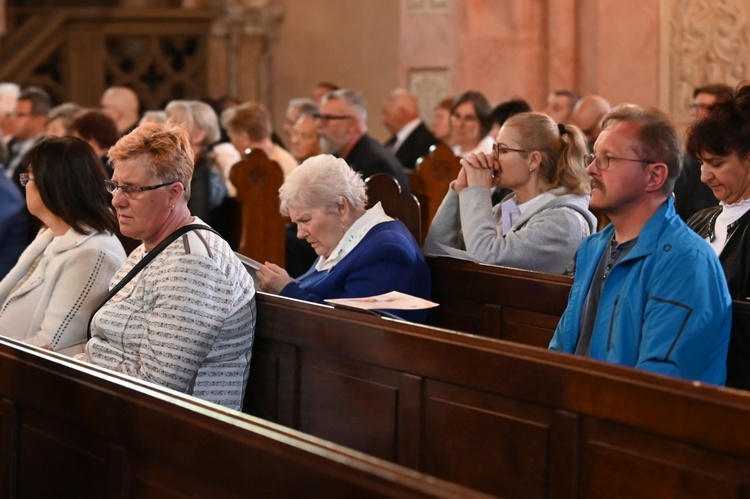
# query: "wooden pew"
{"type": "Point", "coordinates": [70, 431]}
{"type": "Point", "coordinates": [257, 179]}
{"type": "Point", "coordinates": [504, 418]}
{"type": "Point", "coordinates": [431, 179]}
{"type": "Point", "coordinates": [499, 302]}
{"type": "Point", "coordinates": [384, 189]}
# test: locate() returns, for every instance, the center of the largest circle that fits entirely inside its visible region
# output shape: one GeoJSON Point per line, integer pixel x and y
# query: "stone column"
{"type": "Point", "coordinates": [238, 49]}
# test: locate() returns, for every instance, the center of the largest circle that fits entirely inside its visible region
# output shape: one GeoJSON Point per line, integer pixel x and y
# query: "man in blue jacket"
{"type": "Point", "coordinates": [648, 292]}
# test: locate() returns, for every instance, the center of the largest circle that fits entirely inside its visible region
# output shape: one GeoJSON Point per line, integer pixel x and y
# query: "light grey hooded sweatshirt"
{"type": "Point", "coordinates": [545, 238]}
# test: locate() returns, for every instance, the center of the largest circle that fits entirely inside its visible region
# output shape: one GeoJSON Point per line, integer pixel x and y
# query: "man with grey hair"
{"type": "Point", "coordinates": [648, 292]}
{"type": "Point", "coordinates": [342, 123]}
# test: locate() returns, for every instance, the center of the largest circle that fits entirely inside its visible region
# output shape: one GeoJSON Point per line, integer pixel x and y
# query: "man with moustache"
{"type": "Point", "coordinates": [648, 293]}
{"type": "Point", "coordinates": [342, 123]}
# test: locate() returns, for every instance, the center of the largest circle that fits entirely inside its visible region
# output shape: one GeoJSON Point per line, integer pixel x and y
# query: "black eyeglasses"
{"type": "Point", "coordinates": [499, 149]}
{"type": "Point", "coordinates": [602, 162]}
{"type": "Point", "coordinates": [323, 119]}
{"type": "Point", "coordinates": [130, 190]}
{"type": "Point", "coordinates": [24, 178]}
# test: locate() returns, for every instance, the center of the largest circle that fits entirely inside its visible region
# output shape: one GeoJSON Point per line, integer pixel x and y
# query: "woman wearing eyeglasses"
{"type": "Point", "coordinates": [47, 298]}
{"type": "Point", "coordinates": [470, 121]}
{"type": "Point", "coordinates": [537, 227]}
{"type": "Point", "coordinates": [181, 312]}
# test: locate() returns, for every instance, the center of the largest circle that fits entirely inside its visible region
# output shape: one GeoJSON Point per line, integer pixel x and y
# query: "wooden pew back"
{"type": "Point", "coordinates": [104, 435]}
{"type": "Point", "coordinates": [384, 189]}
{"type": "Point", "coordinates": [257, 179]}
{"type": "Point", "coordinates": [506, 419]}
{"type": "Point", "coordinates": [432, 178]}
{"type": "Point", "coordinates": [499, 302]}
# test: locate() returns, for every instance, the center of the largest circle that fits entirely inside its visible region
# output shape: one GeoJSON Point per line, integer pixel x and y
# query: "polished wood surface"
{"type": "Point", "coordinates": [499, 302]}
{"type": "Point", "coordinates": [383, 188]}
{"type": "Point", "coordinates": [71, 431]}
{"type": "Point", "coordinates": [257, 179]}
{"type": "Point", "coordinates": [431, 179]}
{"type": "Point", "coordinates": [507, 419]}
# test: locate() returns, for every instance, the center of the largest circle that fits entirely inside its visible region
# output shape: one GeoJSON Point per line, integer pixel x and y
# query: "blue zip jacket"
{"type": "Point", "coordinates": [664, 308]}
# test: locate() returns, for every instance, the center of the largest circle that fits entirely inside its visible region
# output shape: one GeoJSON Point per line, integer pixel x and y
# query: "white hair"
{"type": "Point", "coordinates": [321, 182]}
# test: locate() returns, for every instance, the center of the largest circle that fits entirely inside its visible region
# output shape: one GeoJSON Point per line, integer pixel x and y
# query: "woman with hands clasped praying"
{"type": "Point", "coordinates": [537, 227]}
{"type": "Point", "coordinates": [361, 252]}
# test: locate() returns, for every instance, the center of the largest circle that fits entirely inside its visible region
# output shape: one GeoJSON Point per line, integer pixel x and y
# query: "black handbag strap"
{"type": "Point", "coordinates": [145, 261]}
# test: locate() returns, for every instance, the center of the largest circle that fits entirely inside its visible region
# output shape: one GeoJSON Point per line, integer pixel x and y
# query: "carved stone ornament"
{"type": "Point", "coordinates": [709, 43]}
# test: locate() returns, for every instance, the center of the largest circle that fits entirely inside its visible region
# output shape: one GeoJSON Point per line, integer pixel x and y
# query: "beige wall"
{"type": "Point", "coordinates": [353, 43]}
{"type": "Point", "coordinates": [648, 52]}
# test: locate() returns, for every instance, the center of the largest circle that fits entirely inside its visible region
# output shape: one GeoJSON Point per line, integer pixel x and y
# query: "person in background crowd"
{"type": "Point", "coordinates": [342, 124]}
{"type": "Point", "coordinates": [588, 115]}
{"type": "Point", "coordinates": [441, 121]}
{"type": "Point", "coordinates": [153, 116]}
{"type": "Point", "coordinates": [208, 189]}
{"type": "Point", "coordinates": [9, 93]}
{"type": "Point", "coordinates": [122, 105]}
{"type": "Point", "coordinates": [304, 137]}
{"type": "Point", "coordinates": [294, 110]}
{"type": "Point", "coordinates": [540, 225]}
{"type": "Point", "coordinates": [321, 89]}
{"type": "Point", "coordinates": [194, 284]}
{"type": "Point", "coordinates": [99, 131]}
{"type": "Point", "coordinates": [28, 123]}
{"type": "Point", "coordinates": [470, 124]}
{"type": "Point", "coordinates": [505, 110]}
{"type": "Point", "coordinates": [692, 195]}
{"type": "Point", "coordinates": [249, 127]}
{"type": "Point", "coordinates": [560, 105]}
{"type": "Point", "coordinates": [648, 292]}
{"type": "Point", "coordinates": [49, 295]}
{"type": "Point", "coordinates": [361, 252]}
{"type": "Point", "coordinates": [411, 138]}
{"type": "Point", "coordinates": [59, 119]}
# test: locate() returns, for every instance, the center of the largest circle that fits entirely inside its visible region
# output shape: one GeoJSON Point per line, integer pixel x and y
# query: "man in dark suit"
{"type": "Point", "coordinates": [411, 139]}
{"type": "Point", "coordinates": [342, 123]}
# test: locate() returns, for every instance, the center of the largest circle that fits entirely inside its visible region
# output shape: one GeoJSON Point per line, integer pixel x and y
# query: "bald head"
{"type": "Point", "coordinates": [121, 104]}
{"type": "Point", "coordinates": [399, 108]}
{"type": "Point", "coordinates": [588, 115]}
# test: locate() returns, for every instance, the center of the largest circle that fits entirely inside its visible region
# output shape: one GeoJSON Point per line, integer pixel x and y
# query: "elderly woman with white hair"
{"type": "Point", "coordinates": [360, 252]}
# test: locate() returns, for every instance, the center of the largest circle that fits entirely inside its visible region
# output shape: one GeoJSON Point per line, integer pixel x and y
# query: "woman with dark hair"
{"type": "Point", "coordinates": [470, 124]}
{"type": "Point", "coordinates": [721, 142]}
{"type": "Point", "coordinates": [47, 298]}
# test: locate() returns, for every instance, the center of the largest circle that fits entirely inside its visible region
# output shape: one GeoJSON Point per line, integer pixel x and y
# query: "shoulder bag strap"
{"type": "Point", "coordinates": [145, 261]}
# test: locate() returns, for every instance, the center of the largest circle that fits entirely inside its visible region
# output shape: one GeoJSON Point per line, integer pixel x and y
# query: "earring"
{"type": "Point", "coordinates": [343, 228]}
